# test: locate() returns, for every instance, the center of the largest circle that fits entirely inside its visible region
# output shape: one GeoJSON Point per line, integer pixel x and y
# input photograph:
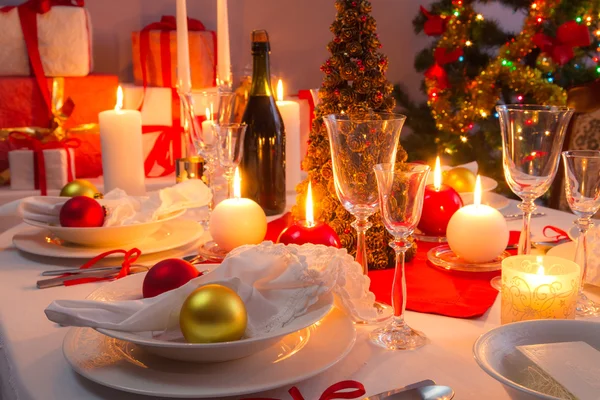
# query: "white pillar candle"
{"type": "Point", "coordinates": [122, 150]}
{"type": "Point", "coordinates": [223, 52]}
{"type": "Point", "coordinates": [208, 133]}
{"type": "Point", "coordinates": [477, 233]}
{"type": "Point", "coordinates": [290, 113]}
{"type": "Point", "coordinates": [183, 48]}
{"type": "Point", "coordinates": [237, 221]}
{"type": "Point", "coordinates": [538, 287]}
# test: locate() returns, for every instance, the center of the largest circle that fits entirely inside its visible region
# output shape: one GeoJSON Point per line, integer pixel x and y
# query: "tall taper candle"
{"type": "Point", "coordinates": [122, 152]}
{"type": "Point", "coordinates": [290, 113]}
{"type": "Point", "coordinates": [183, 48]}
{"type": "Point", "coordinates": [223, 52]}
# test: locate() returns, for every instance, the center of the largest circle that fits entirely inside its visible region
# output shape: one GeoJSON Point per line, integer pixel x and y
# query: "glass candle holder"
{"type": "Point", "coordinates": [538, 287]}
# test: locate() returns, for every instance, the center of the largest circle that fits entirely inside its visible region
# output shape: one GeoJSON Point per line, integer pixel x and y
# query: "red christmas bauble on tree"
{"type": "Point", "coordinates": [81, 212]}
{"type": "Point", "coordinates": [167, 275]}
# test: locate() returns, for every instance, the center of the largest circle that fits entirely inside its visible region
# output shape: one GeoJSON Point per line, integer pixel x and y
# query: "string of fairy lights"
{"type": "Point", "coordinates": [482, 93]}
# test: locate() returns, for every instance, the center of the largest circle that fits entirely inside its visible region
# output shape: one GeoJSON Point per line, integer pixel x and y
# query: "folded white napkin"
{"type": "Point", "coordinates": [121, 208]}
{"type": "Point", "coordinates": [276, 282]}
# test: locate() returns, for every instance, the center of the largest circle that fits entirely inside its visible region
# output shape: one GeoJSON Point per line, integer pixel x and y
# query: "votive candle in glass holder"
{"type": "Point", "coordinates": [538, 287]}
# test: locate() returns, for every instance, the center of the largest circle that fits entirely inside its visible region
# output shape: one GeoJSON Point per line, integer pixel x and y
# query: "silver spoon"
{"type": "Point", "coordinates": [432, 392]}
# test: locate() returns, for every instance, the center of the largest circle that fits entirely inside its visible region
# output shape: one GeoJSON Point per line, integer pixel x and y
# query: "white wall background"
{"type": "Point", "coordinates": [299, 32]}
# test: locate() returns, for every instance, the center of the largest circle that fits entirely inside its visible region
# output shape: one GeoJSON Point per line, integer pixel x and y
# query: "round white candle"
{"type": "Point", "coordinates": [223, 52]}
{"type": "Point", "coordinates": [237, 221]}
{"type": "Point", "coordinates": [477, 233]}
{"type": "Point", "coordinates": [290, 113]}
{"type": "Point", "coordinates": [183, 48]}
{"type": "Point", "coordinates": [538, 287]}
{"type": "Point", "coordinates": [122, 151]}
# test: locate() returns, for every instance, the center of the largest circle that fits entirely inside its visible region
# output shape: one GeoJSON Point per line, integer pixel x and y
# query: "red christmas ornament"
{"type": "Point", "coordinates": [81, 212]}
{"type": "Point", "coordinates": [167, 275]}
{"type": "Point", "coordinates": [568, 36]}
{"type": "Point", "coordinates": [435, 24]}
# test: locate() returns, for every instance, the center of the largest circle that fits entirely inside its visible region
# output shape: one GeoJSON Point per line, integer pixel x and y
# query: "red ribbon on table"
{"type": "Point", "coordinates": [442, 57]}
{"type": "Point", "coordinates": [129, 257]}
{"type": "Point", "coordinates": [559, 234]}
{"type": "Point", "coordinates": [168, 145]}
{"type": "Point", "coordinates": [568, 36]}
{"type": "Point", "coordinates": [336, 391]}
{"type": "Point", "coordinates": [28, 17]}
{"type": "Point", "coordinates": [22, 141]}
{"type": "Point", "coordinates": [435, 24]}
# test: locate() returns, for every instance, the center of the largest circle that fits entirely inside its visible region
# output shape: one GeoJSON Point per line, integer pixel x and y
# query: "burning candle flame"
{"type": "Point", "coordinates": [437, 174]}
{"type": "Point", "coordinates": [208, 114]}
{"type": "Point", "coordinates": [310, 219]}
{"type": "Point", "coordinates": [237, 190]}
{"type": "Point", "coordinates": [279, 90]}
{"type": "Point", "coordinates": [477, 194]}
{"type": "Point", "coordinates": [119, 105]}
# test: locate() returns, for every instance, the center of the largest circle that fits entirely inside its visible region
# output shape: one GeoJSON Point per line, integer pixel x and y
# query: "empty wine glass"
{"type": "Point", "coordinates": [357, 145]}
{"type": "Point", "coordinates": [582, 188]}
{"type": "Point", "coordinates": [532, 139]}
{"type": "Point", "coordinates": [401, 192]}
{"type": "Point", "coordinates": [230, 139]}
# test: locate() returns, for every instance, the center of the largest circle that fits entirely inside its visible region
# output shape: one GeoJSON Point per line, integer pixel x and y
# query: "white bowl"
{"type": "Point", "coordinates": [130, 288]}
{"type": "Point", "coordinates": [497, 354]}
{"type": "Point", "coordinates": [106, 236]}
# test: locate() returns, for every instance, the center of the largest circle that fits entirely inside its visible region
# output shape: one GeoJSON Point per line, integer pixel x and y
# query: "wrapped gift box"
{"type": "Point", "coordinates": [64, 37]}
{"type": "Point", "coordinates": [23, 168]}
{"type": "Point", "coordinates": [23, 106]}
{"type": "Point", "coordinates": [202, 59]}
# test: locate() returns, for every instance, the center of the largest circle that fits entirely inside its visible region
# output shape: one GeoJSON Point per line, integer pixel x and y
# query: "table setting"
{"type": "Point", "coordinates": [253, 271]}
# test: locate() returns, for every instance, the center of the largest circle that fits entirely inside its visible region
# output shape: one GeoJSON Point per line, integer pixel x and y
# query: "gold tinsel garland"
{"type": "Point", "coordinates": [481, 94]}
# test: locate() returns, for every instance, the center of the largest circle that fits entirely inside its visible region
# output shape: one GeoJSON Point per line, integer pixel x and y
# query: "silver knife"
{"type": "Point", "coordinates": [57, 272]}
{"type": "Point", "coordinates": [385, 395]}
{"type": "Point", "coordinates": [511, 217]}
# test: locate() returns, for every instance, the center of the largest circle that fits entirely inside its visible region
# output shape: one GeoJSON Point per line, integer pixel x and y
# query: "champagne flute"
{"type": "Point", "coordinates": [582, 188]}
{"type": "Point", "coordinates": [401, 192]}
{"type": "Point", "coordinates": [231, 148]}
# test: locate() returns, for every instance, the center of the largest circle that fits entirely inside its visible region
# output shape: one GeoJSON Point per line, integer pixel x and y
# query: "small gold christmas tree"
{"type": "Point", "coordinates": [354, 83]}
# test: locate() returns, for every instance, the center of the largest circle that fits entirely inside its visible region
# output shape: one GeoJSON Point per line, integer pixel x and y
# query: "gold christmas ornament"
{"type": "Point", "coordinates": [460, 179]}
{"type": "Point", "coordinates": [80, 187]}
{"type": "Point", "coordinates": [211, 314]}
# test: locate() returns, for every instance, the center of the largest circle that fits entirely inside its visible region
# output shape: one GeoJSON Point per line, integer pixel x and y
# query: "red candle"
{"type": "Point", "coordinates": [309, 231]}
{"type": "Point", "coordinates": [439, 204]}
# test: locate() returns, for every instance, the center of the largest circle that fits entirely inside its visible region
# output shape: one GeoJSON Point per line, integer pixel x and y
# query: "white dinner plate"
{"type": "Point", "coordinates": [171, 235]}
{"type": "Point", "coordinates": [496, 352]}
{"type": "Point", "coordinates": [130, 288]}
{"type": "Point", "coordinates": [107, 236]}
{"type": "Point", "coordinates": [125, 366]}
{"type": "Point", "coordinates": [491, 199]}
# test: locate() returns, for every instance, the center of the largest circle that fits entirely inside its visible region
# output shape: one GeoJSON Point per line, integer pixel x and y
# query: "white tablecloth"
{"type": "Point", "coordinates": [32, 365]}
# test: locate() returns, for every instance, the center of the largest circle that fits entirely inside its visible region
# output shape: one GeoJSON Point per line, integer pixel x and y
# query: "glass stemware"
{"type": "Point", "coordinates": [357, 145]}
{"type": "Point", "coordinates": [230, 147]}
{"type": "Point", "coordinates": [582, 188]}
{"type": "Point", "coordinates": [401, 192]}
{"type": "Point", "coordinates": [532, 139]}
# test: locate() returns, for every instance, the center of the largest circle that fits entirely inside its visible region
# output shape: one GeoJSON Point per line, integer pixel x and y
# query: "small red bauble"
{"type": "Point", "coordinates": [300, 233]}
{"type": "Point", "coordinates": [438, 207]}
{"type": "Point", "coordinates": [167, 275]}
{"type": "Point", "coordinates": [81, 212]}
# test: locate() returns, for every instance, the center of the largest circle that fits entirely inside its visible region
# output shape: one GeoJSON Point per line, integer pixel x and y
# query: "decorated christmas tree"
{"type": "Point", "coordinates": [475, 64]}
{"type": "Point", "coordinates": [354, 83]}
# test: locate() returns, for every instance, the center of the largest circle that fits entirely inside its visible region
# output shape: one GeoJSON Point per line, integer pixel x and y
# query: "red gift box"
{"type": "Point", "coordinates": [23, 106]}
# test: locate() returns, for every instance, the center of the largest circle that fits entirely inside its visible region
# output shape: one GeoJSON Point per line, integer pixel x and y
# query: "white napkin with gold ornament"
{"type": "Point", "coordinates": [121, 208]}
{"type": "Point", "coordinates": [277, 283]}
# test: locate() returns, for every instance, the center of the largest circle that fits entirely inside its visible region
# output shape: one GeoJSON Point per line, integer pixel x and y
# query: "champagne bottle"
{"type": "Point", "coordinates": [263, 162]}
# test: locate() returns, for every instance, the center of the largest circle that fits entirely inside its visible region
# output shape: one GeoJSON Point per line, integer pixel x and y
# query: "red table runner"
{"type": "Point", "coordinates": [430, 289]}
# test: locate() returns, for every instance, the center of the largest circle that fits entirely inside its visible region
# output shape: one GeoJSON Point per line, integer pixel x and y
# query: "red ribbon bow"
{"type": "Point", "coordinates": [435, 24]}
{"type": "Point", "coordinates": [28, 17]}
{"type": "Point", "coordinates": [129, 257]}
{"type": "Point", "coordinates": [568, 36]}
{"type": "Point", "coordinates": [23, 141]}
{"type": "Point", "coordinates": [559, 234]}
{"type": "Point", "coordinates": [336, 391]}
{"type": "Point", "coordinates": [442, 57]}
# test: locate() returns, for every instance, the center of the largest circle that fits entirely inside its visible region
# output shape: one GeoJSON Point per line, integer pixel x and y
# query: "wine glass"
{"type": "Point", "coordinates": [532, 139]}
{"type": "Point", "coordinates": [401, 192]}
{"type": "Point", "coordinates": [230, 139]}
{"type": "Point", "coordinates": [582, 188]}
{"type": "Point", "coordinates": [357, 145]}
